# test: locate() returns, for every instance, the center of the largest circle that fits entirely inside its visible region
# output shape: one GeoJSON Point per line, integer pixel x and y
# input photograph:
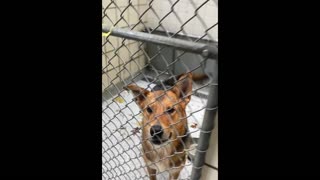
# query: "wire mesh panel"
{"type": "Point", "coordinates": [159, 78]}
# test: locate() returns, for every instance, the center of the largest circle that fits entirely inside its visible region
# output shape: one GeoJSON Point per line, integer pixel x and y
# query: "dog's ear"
{"type": "Point", "coordinates": [183, 87]}
{"type": "Point", "coordinates": [139, 93]}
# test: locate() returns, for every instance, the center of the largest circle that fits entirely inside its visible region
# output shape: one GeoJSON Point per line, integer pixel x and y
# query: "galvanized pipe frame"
{"type": "Point", "coordinates": [188, 46]}
{"type": "Point", "coordinates": [212, 104]}
{"type": "Point", "coordinates": [205, 133]}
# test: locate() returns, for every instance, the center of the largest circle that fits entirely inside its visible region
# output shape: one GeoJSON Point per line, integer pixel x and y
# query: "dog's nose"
{"type": "Point", "coordinates": [156, 130]}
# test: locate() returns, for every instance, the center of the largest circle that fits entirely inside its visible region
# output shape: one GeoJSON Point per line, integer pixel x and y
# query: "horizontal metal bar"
{"type": "Point", "coordinates": [183, 36]}
{"type": "Point", "coordinates": [129, 44]}
{"type": "Point", "coordinates": [194, 47]}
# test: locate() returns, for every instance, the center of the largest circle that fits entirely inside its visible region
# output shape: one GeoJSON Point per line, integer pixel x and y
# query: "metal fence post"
{"type": "Point", "coordinates": [207, 126]}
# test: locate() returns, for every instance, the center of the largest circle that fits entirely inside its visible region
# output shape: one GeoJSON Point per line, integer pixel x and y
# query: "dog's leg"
{"type": "Point", "coordinates": [152, 173]}
{"type": "Point", "coordinates": [174, 174]}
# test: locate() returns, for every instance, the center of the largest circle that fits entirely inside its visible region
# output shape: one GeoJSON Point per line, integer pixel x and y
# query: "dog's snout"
{"type": "Point", "coordinates": [156, 130]}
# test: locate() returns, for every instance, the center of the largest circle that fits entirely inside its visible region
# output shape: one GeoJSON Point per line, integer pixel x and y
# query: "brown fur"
{"type": "Point", "coordinates": [199, 77]}
{"type": "Point", "coordinates": [170, 155]}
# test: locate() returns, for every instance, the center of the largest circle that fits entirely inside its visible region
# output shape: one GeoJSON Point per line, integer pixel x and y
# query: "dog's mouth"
{"type": "Point", "coordinates": [157, 141]}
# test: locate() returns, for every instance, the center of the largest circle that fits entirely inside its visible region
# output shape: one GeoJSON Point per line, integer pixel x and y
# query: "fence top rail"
{"type": "Point", "coordinates": [205, 50]}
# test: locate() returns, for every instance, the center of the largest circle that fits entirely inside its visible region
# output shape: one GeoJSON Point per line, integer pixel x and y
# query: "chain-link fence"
{"type": "Point", "coordinates": [159, 87]}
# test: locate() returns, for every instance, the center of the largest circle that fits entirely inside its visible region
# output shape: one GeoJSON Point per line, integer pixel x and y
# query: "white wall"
{"type": "Point", "coordinates": [207, 16]}
{"type": "Point", "coordinates": [129, 18]}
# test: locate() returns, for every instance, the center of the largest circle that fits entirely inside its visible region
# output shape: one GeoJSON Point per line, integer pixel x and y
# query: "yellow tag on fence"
{"type": "Point", "coordinates": [108, 33]}
{"type": "Point", "coordinates": [119, 99]}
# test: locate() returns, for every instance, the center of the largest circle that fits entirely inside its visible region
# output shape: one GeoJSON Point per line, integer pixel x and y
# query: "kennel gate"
{"type": "Point", "coordinates": [144, 48]}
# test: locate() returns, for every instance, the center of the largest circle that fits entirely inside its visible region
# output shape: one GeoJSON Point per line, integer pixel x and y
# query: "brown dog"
{"type": "Point", "coordinates": [164, 126]}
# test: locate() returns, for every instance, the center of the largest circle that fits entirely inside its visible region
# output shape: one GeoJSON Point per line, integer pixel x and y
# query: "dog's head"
{"type": "Point", "coordinates": [164, 111]}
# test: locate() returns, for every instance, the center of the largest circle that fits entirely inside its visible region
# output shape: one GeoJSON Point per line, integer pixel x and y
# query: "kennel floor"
{"type": "Point", "coordinates": [121, 137]}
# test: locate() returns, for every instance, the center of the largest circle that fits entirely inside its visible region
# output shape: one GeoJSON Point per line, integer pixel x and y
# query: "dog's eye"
{"type": "Point", "coordinates": [170, 110]}
{"type": "Point", "coordinates": [149, 110]}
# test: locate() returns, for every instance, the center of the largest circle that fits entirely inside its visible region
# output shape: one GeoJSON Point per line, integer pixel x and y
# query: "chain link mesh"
{"type": "Point", "coordinates": [145, 64]}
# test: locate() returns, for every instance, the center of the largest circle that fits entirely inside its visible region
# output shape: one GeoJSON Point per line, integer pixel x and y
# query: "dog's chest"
{"type": "Point", "coordinates": [158, 160]}
{"type": "Point", "coordinates": [161, 166]}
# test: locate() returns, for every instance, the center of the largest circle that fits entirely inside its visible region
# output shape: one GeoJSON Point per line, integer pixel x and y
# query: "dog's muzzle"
{"type": "Point", "coordinates": [156, 133]}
